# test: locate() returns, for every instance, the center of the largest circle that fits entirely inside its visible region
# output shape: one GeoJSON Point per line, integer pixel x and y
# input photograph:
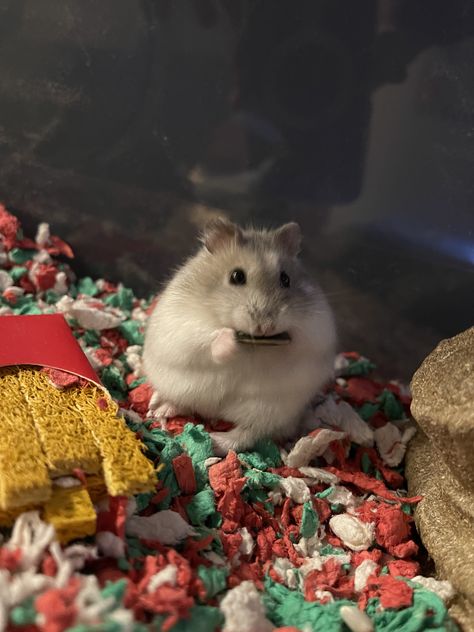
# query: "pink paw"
{"type": "Point", "coordinates": [162, 410]}
{"type": "Point", "coordinates": [167, 411]}
{"type": "Point", "coordinates": [154, 401]}
{"type": "Point", "coordinates": [224, 345]}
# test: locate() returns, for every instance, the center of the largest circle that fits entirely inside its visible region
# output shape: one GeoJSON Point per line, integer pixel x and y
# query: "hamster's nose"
{"type": "Point", "coordinates": [265, 328]}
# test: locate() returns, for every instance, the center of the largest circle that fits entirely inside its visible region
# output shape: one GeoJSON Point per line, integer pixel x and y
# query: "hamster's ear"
{"type": "Point", "coordinates": [288, 238]}
{"type": "Point", "coordinates": [219, 233]}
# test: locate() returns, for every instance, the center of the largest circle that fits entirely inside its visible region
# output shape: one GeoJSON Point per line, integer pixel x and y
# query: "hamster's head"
{"type": "Point", "coordinates": [251, 281]}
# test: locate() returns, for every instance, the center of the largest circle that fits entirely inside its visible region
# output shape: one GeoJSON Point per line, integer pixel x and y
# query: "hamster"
{"type": "Point", "coordinates": [243, 285]}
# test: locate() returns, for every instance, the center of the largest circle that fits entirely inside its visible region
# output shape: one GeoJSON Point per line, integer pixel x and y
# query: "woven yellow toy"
{"type": "Point", "coordinates": [48, 435]}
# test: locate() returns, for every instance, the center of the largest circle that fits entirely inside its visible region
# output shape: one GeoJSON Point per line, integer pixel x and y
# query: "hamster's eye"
{"type": "Point", "coordinates": [284, 279]}
{"type": "Point", "coordinates": [237, 277]}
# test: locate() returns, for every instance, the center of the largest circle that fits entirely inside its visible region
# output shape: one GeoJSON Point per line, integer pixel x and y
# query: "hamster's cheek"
{"type": "Point", "coordinates": [285, 320]}
{"type": "Point", "coordinates": [241, 320]}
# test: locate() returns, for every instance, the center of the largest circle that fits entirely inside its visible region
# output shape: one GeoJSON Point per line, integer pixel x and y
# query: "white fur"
{"type": "Point", "coordinates": [194, 365]}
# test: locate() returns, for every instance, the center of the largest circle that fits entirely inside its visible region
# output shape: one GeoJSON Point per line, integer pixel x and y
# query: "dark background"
{"type": "Point", "coordinates": [127, 123]}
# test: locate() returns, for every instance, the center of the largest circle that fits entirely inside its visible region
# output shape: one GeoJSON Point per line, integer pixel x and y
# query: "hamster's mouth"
{"type": "Point", "coordinates": [282, 338]}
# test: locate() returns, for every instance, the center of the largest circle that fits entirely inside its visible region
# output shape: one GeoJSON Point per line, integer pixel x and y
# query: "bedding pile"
{"type": "Point", "coordinates": [315, 534]}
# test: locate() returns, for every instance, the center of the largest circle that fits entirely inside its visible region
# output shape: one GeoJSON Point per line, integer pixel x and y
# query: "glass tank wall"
{"type": "Point", "coordinates": [127, 123]}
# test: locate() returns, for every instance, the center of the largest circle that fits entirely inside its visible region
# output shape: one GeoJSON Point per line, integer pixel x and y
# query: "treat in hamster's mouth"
{"type": "Point", "coordinates": [282, 338]}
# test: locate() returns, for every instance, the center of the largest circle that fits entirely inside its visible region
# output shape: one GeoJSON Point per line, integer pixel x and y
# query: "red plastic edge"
{"type": "Point", "coordinates": [43, 340]}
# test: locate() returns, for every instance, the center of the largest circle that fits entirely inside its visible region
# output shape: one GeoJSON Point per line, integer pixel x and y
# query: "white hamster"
{"type": "Point", "coordinates": [250, 283]}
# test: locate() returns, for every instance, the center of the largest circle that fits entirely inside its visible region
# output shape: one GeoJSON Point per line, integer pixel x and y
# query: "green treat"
{"type": "Point", "coordinates": [391, 406]}
{"type": "Point", "coordinates": [198, 445]}
{"type": "Point", "coordinates": [91, 338]}
{"type": "Point", "coordinates": [202, 619]}
{"type": "Point", "coordinates": [428, 612]}
{"type": "Point", "coordinates": [264, 455]}
{"type": "Point", "coordinates": [17, 272]}
{"type": "Point", "coordinates": [201, 507]}
{"type": "Point", "coordinates": [87, 286]}
{"type": "Point", "coordinates": [113, 380]}
{"type": "Point", "coordinates": [368, 410]}
{"type": "Point", "coordinates": [309, 521]}
{"type": "Point", "coordinates": [21, 255]}
{"type": "Point", "coordinates": [123, 298]}
{"type": "Point", "coordinates": [257, 479]}
{"type": "Point", "coordinates": [286, 607]}
{"type": "Point", "coordinates": [214, 579]}
{"type": "Point", "coordinates": [131, 330]}
{"type": "Point", "coordinates": [24, 614]}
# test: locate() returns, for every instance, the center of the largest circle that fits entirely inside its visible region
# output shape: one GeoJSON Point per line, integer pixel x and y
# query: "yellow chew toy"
{"type": "Point", "coordinates": [46, 433]}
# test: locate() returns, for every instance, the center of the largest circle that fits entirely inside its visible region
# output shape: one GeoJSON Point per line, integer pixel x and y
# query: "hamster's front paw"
{"type": "Point", "coordinates": [166, 411]}
{"type": "Point", "coordinates": [161, 411]}
{"type": "Point", "coordinates": [155, 401]}
{"type": "Point", "coordinates": [224, 345]}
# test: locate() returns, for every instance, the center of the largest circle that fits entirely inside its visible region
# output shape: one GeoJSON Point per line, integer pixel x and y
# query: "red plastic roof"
{"type": "Point", "coordinates": [43, 340]}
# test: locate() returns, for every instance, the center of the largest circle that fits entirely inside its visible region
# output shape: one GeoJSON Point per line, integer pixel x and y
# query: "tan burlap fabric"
{"type": "Point", "coordinates": [440, 465]}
